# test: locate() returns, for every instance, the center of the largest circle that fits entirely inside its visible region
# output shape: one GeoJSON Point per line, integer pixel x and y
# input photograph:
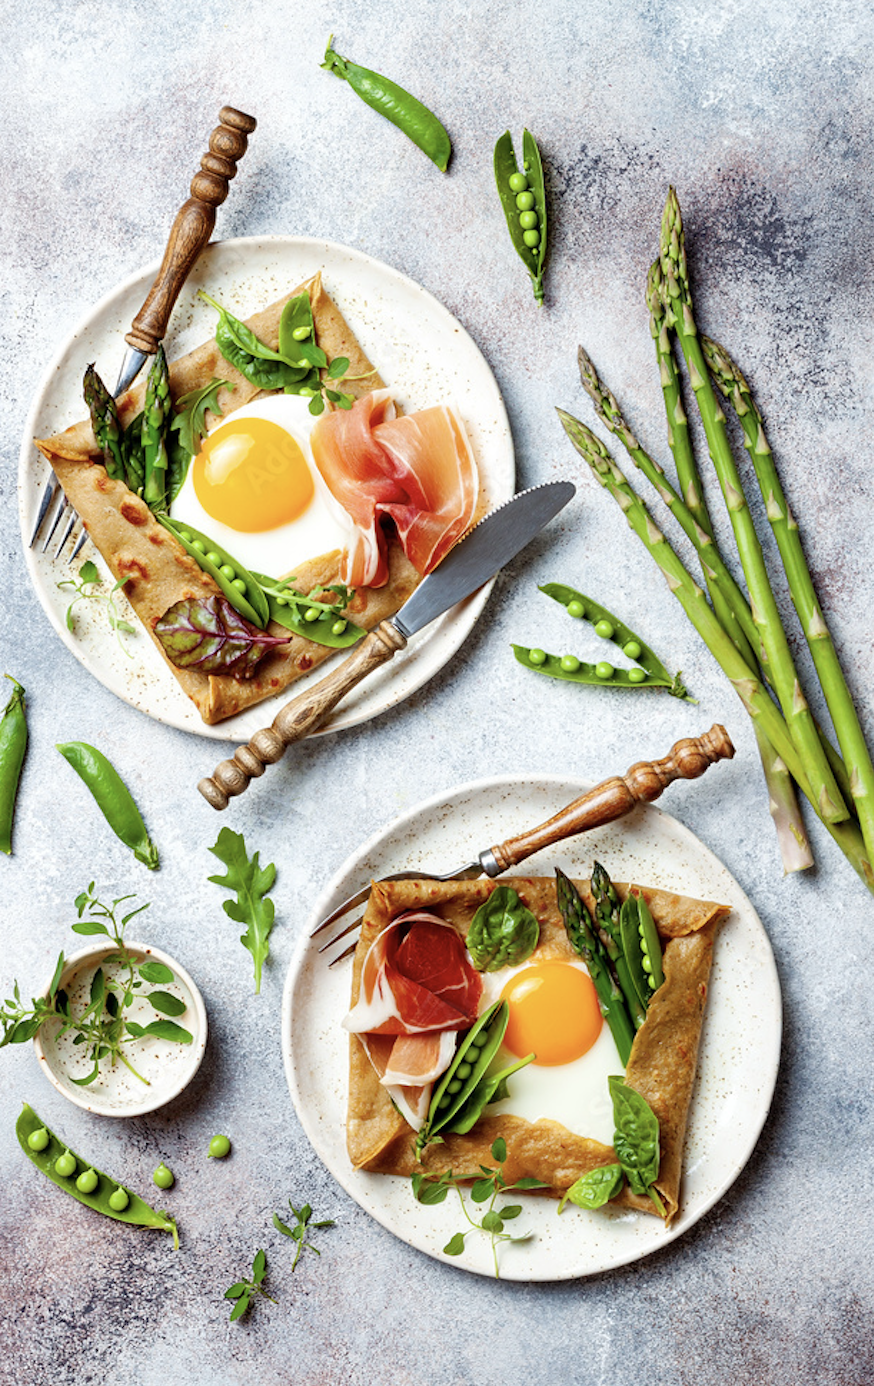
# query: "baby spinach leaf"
{"type": "Point", "coordinates": [503, 932]}
{"type": "Point", "coordinates": [256, 362]}
{"type": "Point", "coordinates": [596, 1188]}
{"type": "Point", "coordinates": [636, 1138]}
{"type": "Point", "coordinates": [251, 882]}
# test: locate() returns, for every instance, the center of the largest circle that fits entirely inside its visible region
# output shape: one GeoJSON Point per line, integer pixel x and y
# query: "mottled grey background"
{"type": "Point", "coordinates": [761, 115]}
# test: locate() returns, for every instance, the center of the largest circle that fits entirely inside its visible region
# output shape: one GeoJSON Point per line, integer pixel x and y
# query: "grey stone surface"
{"type": "Point", "coordinates": [761, 115]}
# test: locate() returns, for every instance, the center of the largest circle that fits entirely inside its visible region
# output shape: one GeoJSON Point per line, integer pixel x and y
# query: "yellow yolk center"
{"type": "Point", "coordinates": [252, 476]}
{"type": "Point", "coordinates": [554, 1013]}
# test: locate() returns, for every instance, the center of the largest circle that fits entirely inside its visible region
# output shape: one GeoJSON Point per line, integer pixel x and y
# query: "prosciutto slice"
{"type": "Point", "coordinates": [416, 469]}
{"type": "Point", "coordinates": [418, 988]}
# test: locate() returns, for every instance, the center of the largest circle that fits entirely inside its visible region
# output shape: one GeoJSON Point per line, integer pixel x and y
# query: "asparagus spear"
{"type": "Point", "coordinates": [839, 700]}
{"type": "Point", "coordinates": [690, 596]}
{"type": "Point", "coordinates": [105, 422]}
{"type": "Point", "coordinates": [585, 941]}
{"type": "Point", "coordinates": [729, 603]}
{"type": "Point", "coordinates": [678, 303]}
{"type": "Point", "coordinates": [157, 410]}
{"type": "Point", "coordinates": [607, 912]}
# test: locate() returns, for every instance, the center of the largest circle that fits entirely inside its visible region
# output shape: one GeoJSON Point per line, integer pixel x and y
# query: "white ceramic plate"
{"type": "Point", "coordinates": [739, 1052]}
{"type": "Point", "coordinates": [422, 352]}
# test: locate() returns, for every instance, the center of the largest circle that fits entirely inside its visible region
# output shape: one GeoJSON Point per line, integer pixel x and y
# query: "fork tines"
{"type": "Point", "coordinates": [55, 508]}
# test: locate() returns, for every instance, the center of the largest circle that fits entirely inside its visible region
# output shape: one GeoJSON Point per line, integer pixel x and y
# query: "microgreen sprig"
{"type": "Point", "coordinates": [85, 589]}
{"type": "Point", "coordinates": [298, 1233]}
{"type": "Point", "coordinates": [433, 1188]}
{"type": "Point", "coordinates": [243, 1291]}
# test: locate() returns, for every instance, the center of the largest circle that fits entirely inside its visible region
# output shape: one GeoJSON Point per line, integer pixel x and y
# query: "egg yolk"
{"type": "Point", "coordinates": [252, 475]}
{"type": "Point", "coordinates": [554, 1013]}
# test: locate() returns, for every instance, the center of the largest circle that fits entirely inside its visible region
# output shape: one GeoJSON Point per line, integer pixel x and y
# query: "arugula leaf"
{"type": "Point", "coordinates": [189, 420]}
{"type": "Point", "coordinates": [251, 881]}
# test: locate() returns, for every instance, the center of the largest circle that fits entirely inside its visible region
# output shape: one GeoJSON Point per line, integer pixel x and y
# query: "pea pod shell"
{"type": "Point", "coordinates": [138, 1213]}
{"type": "Point", "coordinates": [532, 257]}
{"type": "Point", "coordinates": [652, 944]}
{"type": "Point", "coordinates": [319, 631]}
{"type": "Point", "coordinates": [494, 1020]}
{"type": "Point", "coordinates": [631, 948]}
{"type": "Point", "coordinates": [381, 94]}
{"type": "Point", "coordinates": [13, 743]}
{"type": "Point", "coordinates": [252, 604]}
{"type": "Point", "coordinates": [585, 674]}
{"type": "Point", "coordinates": [113, 798]}
{"type": "Point", "coordinates": [647, 659]}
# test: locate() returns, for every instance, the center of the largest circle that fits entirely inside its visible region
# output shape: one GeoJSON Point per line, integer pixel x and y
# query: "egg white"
{"type": "Point", "coordinates": [576, 1093]}
{"type": "Point", "coordinates": [322, 528]}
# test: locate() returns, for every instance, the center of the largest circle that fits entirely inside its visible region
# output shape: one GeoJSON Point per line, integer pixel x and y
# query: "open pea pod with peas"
{"type": "Point", "coordinates": [523, 198]}
{"type": "Point", "coordinates": [647, 672]}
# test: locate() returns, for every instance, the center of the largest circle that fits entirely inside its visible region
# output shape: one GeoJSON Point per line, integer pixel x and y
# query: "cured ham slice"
{"type": "Point", "coordinates": [416, 469]}
{"type": "Point", "coordinates": [418, 989]}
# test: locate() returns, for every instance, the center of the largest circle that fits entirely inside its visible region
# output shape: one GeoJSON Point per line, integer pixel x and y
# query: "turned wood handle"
{"type": "Point", "coordinates": [615, 797]}
{"type": "Point", "coordinates": [304, 714]}
{"type": "Point", "coordinates": [193, 226]}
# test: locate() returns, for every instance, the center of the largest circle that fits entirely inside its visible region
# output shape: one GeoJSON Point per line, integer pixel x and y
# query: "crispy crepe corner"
{"type": "Point", "coordinates": [661, 1067]}
{"type": "Point", "coordinates": [157, 571]}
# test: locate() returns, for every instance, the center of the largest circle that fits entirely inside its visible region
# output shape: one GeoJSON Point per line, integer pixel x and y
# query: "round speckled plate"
{"type": "Point", "coordinates": [422, 352]}
{"type": "Point", "coordinates": [739, 1054]}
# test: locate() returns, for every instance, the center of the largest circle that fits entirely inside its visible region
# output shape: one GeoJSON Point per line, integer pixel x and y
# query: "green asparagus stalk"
{"type": "Point", "coordinates": [105, 422]}
{"type": "Point", "coordinates": [678, 303]}
{"type": "Point", "coordinates": [157, 411]}
{"type": "Point", "coordinates": [729, 603]}
{"type": "Point", "coordinates": [607, 912]}
{"type": "Point", "coordinates": [585, 941]}
{"type": "Point", "coordinates": [839, 699]}
{"type": "Point", "coordinates": [745, 681]}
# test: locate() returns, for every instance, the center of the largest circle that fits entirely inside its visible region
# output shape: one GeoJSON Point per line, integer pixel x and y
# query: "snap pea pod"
{"type": "Point", "coordinates": [13, 743]}
{"type": "Point", "coordinates": [629, 924]}
{"type": "Point", "coordinates": [236, 582]}
{"type": "Point", "coordinates": [258, 363]}
{"type": "Point", "coordinates": [103, 1198]}
{"type": "Point", "coordinates": [573, 670]}
{"type": "Point", "coordinates": [157, 413]}
{"type": "Point", "coordinates": [410, 116]}
{"type": "Point", "coordinates": [113, 798]}
{"type": "Point", "coordinates": [321, 622]}
{"type": "Point", "coordinates": [610, 627]}
{"type": "Point", "coordinates": [650, 945]}
{"type": "Point", "coordinates": [523, 195]}
{"type": "Point", "coordinates": [105, 423]}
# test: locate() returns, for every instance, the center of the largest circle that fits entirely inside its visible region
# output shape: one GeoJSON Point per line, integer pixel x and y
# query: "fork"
{"type": "Point", "coordinates": [189, 235]}
{"type": "Point", "coordinates": [609, 800]}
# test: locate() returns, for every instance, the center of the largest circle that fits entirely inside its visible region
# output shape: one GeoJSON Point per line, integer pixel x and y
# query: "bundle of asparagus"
{"type": "Point", "coordinates": [744, 632]}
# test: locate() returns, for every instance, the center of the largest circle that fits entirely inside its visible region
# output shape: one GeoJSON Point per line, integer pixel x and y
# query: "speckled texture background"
{"type": "Point", "coordinates": [761, 115]}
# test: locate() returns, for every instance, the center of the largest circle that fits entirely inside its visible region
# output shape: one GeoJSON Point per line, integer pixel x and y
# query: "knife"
{"type": "Point", "coordinates": [189, 235]}
{"type": "Point", "coordinates": [474, 560]}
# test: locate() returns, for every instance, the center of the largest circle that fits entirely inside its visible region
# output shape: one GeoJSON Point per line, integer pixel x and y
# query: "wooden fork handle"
{"type": "Point", "coordinates": [615, 797]}
{"type": "Point", "coordinates": [193, 226]}
{"type": "Point", "coordinates": [304, 714]}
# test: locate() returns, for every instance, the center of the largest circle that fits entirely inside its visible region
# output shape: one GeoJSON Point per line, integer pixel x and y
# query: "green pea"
{"type": "Point", "coordinates": [632, 649]}
{"type": "Point", "coordinates": [239, 584]}
{"type": "Point", "coordinates": [527, 220]}
{"type": "Point", "coordinates": [605, 629]}
{"type": "Point", "coordinates": [338, 627]}
{"type": "Point", "coordinates": [444, 1100]}
{"type": "Point", "coordinates": [213, 557]}
{"type": "Point", "coordinates": [303, 363]}
{"type": "Point", "coordinates": [576, 609]}
{"type": "Point", "coordinates": [164, 1177]}
{"type": "Point", "coordinates": [65, 1165]}
{"type": "Point", "coordinates": [570, 664]}
{"type": "Point", "coordinates": [227, 571]}
{"type": "Point", "coordinates": [87, 1181]}
{"type": "Point", "coordinates": [481, 1039]}
{"type": "Point", "coordinates": [454, 1086]}
{"type": "Point", "coordinates": [119, 1200]}
{"type": "Point", "coordinates": [531, 238]}
{"type": "Point", "coordinates": [219, 1147]}
{"type": "Point", "coordinates": [312, 614]}
{"type": "Point", "coordinates": [525, 201]}
{"type": "Point", "coordinates": [604, 670]}
{"type": "Point", "coordinates": [199, 545]}
{"type": "Point", "coordinates": [463, 1071]}
{"type": "Point", "coordinates": [282, 601]}
{"type": "Point", "coordinates": [300, 334]}
{"type": "Point", "coordinates": [518, 183]}
{"type": "Point", "coordinates": [186, 535]}
{"type": "Point", "coordinates": [38, 1140]}
{"type": "Point", "coordinates": [537, 656]}
{"type": "Point", "coordinates": [637, 676]}
{"type": "Point", "coordinates": [647, 965]}
{"type": "Point", "coordinates": [306, 393]}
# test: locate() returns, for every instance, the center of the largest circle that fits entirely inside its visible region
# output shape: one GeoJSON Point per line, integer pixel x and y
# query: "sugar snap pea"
{"type": "Point", "coordinates": [308, 616]}
{"type": "Point", "coordinates": [397, 105]}
{"type": "Point", "coordinates": [629, 922]}
{"type": "Point", "coordinates": [523, 195]}
{"type": "Point", "coordinates": [257, 362]}
{"type": "Point", "coordinates": [113, 798]}
{"type": "Point", "coordinates": [650, 944]}
{"type": "Point", "coordinates": [240, 588]}
{"type": "Point", "coordinates": [13, 743]}
{"type": "Point", "coordinates": [56, 1153]}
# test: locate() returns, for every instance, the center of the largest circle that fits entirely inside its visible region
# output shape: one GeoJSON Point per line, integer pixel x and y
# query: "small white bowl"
{"type": "Point", "coordinates": [168, 1066]}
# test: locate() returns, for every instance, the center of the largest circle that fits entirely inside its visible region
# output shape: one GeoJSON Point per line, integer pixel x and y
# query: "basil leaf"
{"type": "Point", "coordinates": [503, 932]}
{"type": "Point", "coordinates": [636, 1139]}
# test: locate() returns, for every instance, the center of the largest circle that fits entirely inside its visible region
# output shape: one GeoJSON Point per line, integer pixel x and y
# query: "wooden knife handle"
{"type": "Point", "coordinates": [193, 226]}
{"type": "Point", "coordinates": [304, 714]}
{"type": "Point", "coordinates": [617, 796]}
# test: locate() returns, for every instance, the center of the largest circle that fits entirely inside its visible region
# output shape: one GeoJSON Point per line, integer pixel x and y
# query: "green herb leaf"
{"type": "Point", "coordinates": [503, 932]}
{"type": "Point", "coordinates": [189, 420]}
{"type": "Point", "coordinates": [155, 972]}
{"type": "Point", "coordinates": [251, 883]}
{"type": "Point", "coordinates": [596, 1188]}
{"type": "Point", "coordinates": [169, 1030]}
{"type": "Point", "coordinates": [166, 1003]}
{"type": "Point", "coordinates": [455, 1245]}
{"type": "Point", "coordinates": [636, 1139]}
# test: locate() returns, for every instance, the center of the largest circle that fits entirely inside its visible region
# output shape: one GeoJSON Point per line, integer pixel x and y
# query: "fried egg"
{"type": "Point", "coordinates": [554, 1013]}
{"type": "Point", "coordinates": [255, 489]}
